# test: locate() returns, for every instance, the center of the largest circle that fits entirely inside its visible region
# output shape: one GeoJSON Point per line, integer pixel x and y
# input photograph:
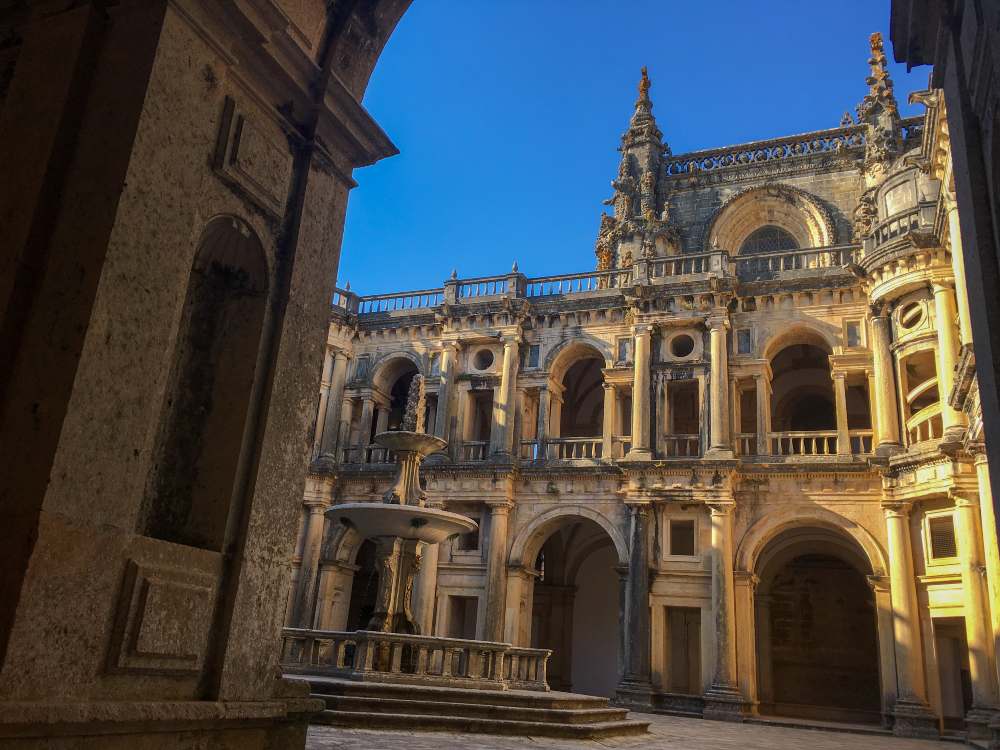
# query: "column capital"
{"type": "Point", "coordinates": [316, 505]}
{"type": "Point", "coordinates": [340, 354]}
{"type": "Point", "coordinates": [643, 329]}
{"type": "Point", "coordinates": [838, 374]}
{"type": "Point", "coordinates": [639, 507]}
{"type": "Point", "coordinates": [608, 386]}
{"type": "Point", "coordinates": [510, 339]}
{"type": "Point", "coordinates": [897, 508]}
{"type": "Point", "coordinates": [879, 582]}
{"type": "Point", "coordinates": [499, 507]}
{"type": "Point", "coordinates": [964, 499]}
{"type": "Point", "coordinates": [720, 507]}
{"type": "Point", "coordinates": [942, 285]}
{"type": "Point", "coordinates": [746, 578]}
{"type": "Point", "coordinates": [717, 321]}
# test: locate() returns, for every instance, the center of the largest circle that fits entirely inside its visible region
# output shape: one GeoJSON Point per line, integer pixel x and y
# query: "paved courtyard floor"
{"type": "Point", "coordinates": [667, 732]}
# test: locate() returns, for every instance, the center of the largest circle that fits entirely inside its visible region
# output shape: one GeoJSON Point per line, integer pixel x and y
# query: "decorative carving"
{"type": "Point", "coordinates": [865, 215]}
{"type": "Point", "coordinates": [415, 414]}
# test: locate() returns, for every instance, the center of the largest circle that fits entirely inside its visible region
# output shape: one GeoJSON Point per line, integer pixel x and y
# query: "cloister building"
{"type": "Point", "coordinates": [737, 468]}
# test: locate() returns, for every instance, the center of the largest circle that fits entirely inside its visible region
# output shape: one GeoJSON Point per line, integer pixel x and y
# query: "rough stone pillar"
{"type": "Point", "coordinates": [608, 425]}
{"type": "Point", "coordinates": [324, 397]}
{"type": "Point", "coordinates": [723, 699]}
{"type": "Point", "coordinates": [496, 571]}
{"type": "Point", "coordinates": [763, 414]}
{"type": "Point", "coordinates": [991, 553]}
{"type": "Point", "coordinates": [952, 420]}
{"type": "Point", "coordinates": [977, 626]}
{"type": "Point", "coordinates": [958, 268]}
{"type": "Point", "coordinates": [334, 405]}
{"type": "Point", "coordinates": [502, 436]}
{"type": "Point", "coordinates": [425, 588]}
{"type": "Point", "coordinates": [449, 367]}
{"type": "Point", "coordinates": [304, 604]}
{"type": "Point", "coordinates": [542, 426]}
{"type": "Point", "coordinates": [636, 687]}
{"type": "Point", "coordinates": [719, 445]}
{"type": "Point", "coordinates": [885, 386]}
{"type": "Point", "coordinates": [913, 716]}
{"type": "Point", "coordinates": [641, 445]}
{"type": "Point", "coordinates": [840, 395]}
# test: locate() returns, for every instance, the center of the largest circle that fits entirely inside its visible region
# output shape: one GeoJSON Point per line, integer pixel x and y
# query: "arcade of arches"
{"type": "Point", "coordinates": [761, 408]}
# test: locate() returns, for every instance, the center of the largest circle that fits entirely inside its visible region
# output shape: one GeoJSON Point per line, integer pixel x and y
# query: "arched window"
{"type": "Point", "coordinates": [768, 239]}
{"type": "Point", "coordinates": [209, 391]}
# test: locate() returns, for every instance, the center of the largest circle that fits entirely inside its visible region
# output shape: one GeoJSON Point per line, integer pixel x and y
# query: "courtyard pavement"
{"type": "Point", "coordinates": [666, 732]}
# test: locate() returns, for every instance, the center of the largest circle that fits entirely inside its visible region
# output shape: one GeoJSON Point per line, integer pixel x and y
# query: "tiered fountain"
{"type": "Point", "coordinates": [398, 525]}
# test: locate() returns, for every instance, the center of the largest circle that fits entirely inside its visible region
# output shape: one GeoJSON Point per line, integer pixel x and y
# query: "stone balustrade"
{"type": "Point", "coordinates": [569, 449]}
{"type": "Point", "coordinates": [794, 262]}
{"type": "Point", "coordinates": [804, 443]}
{"type": "Point", "coordinates": [682, 446]}
{"type": "Point", "coordinates": [577, 283]}
{"type": "Point", "coordinates": [413, 659]}
{"type": "Point", "coordinates": [925, 425]}
{"type": "Point", "coordinates": [689, 264]}
{"type": "Point", "coordinates": [417, 300]}
{"type": "Point", "coordinates": [473, 450]}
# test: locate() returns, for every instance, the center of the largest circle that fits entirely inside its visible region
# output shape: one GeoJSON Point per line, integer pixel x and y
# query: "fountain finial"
{"type": "Point", "coordinates": [413, 418]}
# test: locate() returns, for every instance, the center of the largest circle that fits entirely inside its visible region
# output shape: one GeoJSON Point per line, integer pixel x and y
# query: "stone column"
{"type": "Point", "coordinates": [840, 395]}
{"type": "Point", "coordinates": [334, 405]}
{"type": "Point", "coordinates": [958, 268]}
{"type": "Point", "coordinates": [502, 436]}
{"type": "Point", "coordinates": [885, 386]}
{"type": "Point", "coordinates": [608, 425]}
{"type": "Point", "coordinates": [542, 424]}
{"type": "Point", "coordinates": [324, 397]}
{"type": "Point", "coordinates": [496, 571]}
{"type": "Point", "coordinates": [913, 717]}
{"type": "Point", "coordinates": [723, 699]}
{"type": "Point", "coordinates": [991, 552]}
{"type": "Point", "coordinates": [641, 445]}
{"type": "Point", "coordinates": [449, 365]}
{"type": "Point", "coordinates": [765, 660]}
{"type": "Point", "coordinates": [952, 420]}
{"type": "Point", "coordinates": [635, 687]}
{"type": "Point", "coordinates": [367, 416]}
{"type": "Point", "coordinates": [346, 416]}
{"type": "Point", "coordinates": [763, 414]}
{"type": "Point", "coordinates": [977, 614]}
{"type": "Point", "coordinates": [305, 596]}
{"type": "Point", "coordinates": [382, 420]}
{"type": "Point", "coordinates": [746, 633]}
{"type": "Point", "coordinates": [425, 588]}
{"type": "Point", "coordinates": [887, 655]}
{"type": "Point", "coordinates": [719, 445]}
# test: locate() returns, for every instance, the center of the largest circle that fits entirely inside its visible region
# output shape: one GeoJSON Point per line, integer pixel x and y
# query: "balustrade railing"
{"type": "Point", "coordinates": [577, 283]}
{"type": "Point", "coordinates": [569, 449]}
{"type": "Point", "coordinates": [422, 299]}
{"type": "Point", "coordinates": [424, 660]}
{"type": "Point", "coordinates": [861, 442]}
{"type": "Point", "coordinates": [685, 265]}
{"type": "Point", "coordinates": [925, 425]}
{"type": "Point", "coordinates": [746, 443]}
{"type": "Point", "coordinates": [367, 454]}
{"type": "Point", "coordinates": [473, 450]}
{"type": "Point", "coordinates": [897, 226]}
{"type": "Point", "coordinates": [681, 446]}
{"type": "Point", "coordinates": [802, 443]}
{"type": "Point", "coordinates": [772, 265]}
{"type": "Point", "coordinates": [824, 141]}
{"type": "Point", "coordinates": [344, 300]}
{"type": "Point", "coordinates": [488, 286]}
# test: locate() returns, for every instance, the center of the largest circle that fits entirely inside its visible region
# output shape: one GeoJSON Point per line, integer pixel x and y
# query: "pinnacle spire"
{"type": "Point", "coordinates": [642, 126]}
{"type": "Point", "coordinates": [879, 82]}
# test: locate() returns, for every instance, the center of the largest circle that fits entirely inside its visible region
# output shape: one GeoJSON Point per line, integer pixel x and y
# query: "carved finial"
{"type": "Point", "coordinates": [879, 83]}
{"type": "Point", "coordinates": [644, 85]}
{"type": "Point", "coordinates": [454, 274]}
{"type": "Point", "coordinates": [347, 286]}
{"type": "Point", "coordinates": [846, 120]}
{"type": "Point", "coordinates": [513, 269]}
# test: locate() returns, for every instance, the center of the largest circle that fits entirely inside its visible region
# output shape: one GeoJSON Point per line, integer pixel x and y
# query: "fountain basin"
{"type": "Point", "coordinates": [429, 525]}
{"type": "Point", "coordinates": [415, 442]}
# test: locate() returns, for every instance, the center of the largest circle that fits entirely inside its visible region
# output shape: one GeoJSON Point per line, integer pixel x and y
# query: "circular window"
{"type": "Point", "coordinates": [681, 346]}
{"type": "Point", "coordinates": [483, 359]}
{"type": "Point", "coordinates": [911, 316]}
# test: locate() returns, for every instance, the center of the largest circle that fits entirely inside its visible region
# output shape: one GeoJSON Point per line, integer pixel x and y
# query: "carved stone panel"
{"type": "Point", "coordinates": [249, 160]}
{"type": "Point", "coordinates": [163, 620]}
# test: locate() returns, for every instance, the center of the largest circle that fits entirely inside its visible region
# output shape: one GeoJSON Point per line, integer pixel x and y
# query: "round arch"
{"type": "Point", "coordinates": [796, 212]}
{"type": "Point", "coordinates": [564, 355]}
{"type": "Point", "coordinates": [530, 539]}
{"type": "Point", "coordinates": [798, 333]}
{"type": "Point", "coordinates": [388, 368]}
{"type": "Point", "coordinates": [763, 532]}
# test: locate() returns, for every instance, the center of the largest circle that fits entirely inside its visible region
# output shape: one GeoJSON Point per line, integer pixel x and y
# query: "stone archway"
{"type": "Point", "coordinates": [816, 623]}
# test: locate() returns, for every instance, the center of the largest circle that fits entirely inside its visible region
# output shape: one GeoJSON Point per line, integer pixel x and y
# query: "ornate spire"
{"type": "Point", "coordinates": [879, 83]}
{"type": "Point", "coordinates": [642, 126]}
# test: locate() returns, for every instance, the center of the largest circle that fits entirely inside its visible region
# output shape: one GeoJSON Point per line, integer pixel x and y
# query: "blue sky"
{"type": "Point", "coordinates": [508, 113]}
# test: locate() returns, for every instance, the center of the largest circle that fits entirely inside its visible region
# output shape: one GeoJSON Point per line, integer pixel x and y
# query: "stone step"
{"type": "Point", "coordinates": [464, 709]}
{"type": "Point", "coordinates": [328, 686]}
{"type": "Point", "coordinates": [445, 723]}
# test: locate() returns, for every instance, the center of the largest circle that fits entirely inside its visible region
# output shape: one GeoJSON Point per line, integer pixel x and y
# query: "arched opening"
{"type": "Point", "coordinates": [363, 589]}
{"type": "Point", "coordinates": [210, 388]}
{"type": "Point", "coordinates": [768, 239]}
{"type": "Point", "coordinates": [583, 399]}
{"type": "Point", "coordinates": [575, 609]}
{"type": "Point", "coordinates": [816, 622]}
{"type": "Point", "coordinates": [802, 390]}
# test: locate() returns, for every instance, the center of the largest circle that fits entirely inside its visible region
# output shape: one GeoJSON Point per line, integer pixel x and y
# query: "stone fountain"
{"type": "Point", "coordinates": [402, 521]}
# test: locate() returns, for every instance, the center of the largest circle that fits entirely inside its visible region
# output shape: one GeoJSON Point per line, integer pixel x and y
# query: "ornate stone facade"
{"type": "Point", "coordinates": [732, 470]}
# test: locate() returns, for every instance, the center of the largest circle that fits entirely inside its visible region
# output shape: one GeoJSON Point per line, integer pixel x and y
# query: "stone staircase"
{"type": "Point", "coordinates": [373, 705]}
